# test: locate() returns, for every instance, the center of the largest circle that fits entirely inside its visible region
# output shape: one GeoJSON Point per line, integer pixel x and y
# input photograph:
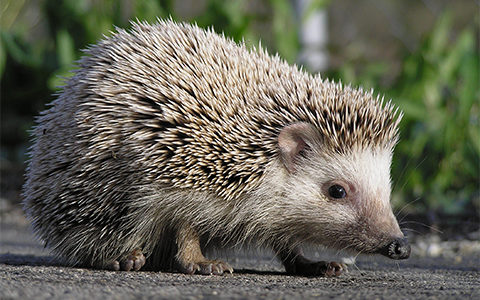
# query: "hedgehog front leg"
{"type": "Point", "coordinates": [190, 258]}
{"type": "Point", "coordinates": [297, 264]}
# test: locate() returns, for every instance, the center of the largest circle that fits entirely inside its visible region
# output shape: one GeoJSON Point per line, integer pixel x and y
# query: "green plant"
{"type": "Point", "coordinates": [439, 94]}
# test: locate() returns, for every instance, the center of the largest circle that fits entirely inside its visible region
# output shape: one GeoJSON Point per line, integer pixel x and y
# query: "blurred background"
{"type": "Point", "coordinates": [424, 55]}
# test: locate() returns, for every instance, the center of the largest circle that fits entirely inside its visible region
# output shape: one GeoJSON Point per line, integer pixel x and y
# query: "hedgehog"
{"type": "Point", "coordinates": [169, 139]}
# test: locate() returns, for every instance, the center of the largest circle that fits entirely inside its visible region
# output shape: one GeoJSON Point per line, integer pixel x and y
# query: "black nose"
{"type": "Point", "coordinates": [398, 249]}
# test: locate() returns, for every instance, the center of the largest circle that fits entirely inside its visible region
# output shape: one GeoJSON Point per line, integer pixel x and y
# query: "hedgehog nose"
{"type": "Point", "coordinates": [398, 249]}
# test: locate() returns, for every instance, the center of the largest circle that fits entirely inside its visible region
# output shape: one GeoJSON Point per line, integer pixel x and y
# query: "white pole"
{"type": "Point", "coordinates": [313, 36]}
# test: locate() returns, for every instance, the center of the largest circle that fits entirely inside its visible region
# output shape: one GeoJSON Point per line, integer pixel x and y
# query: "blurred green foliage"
{"type": "Point", "coordinates": [440, 95]}
{"type": "Point", "coordinates": [436, 164]}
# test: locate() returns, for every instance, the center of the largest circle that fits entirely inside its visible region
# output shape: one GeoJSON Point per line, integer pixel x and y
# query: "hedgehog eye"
{"type": "Point", "coordinates": [337, 191]}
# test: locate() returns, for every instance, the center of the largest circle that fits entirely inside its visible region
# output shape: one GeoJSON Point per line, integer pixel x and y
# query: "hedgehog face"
{"type": "Point", "coordinates": [342, 199]}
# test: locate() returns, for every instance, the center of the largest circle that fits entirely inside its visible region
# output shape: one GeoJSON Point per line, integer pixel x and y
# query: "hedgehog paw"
{"type": "Point", "coordinates": [334, 269]}
{"type": "Point", "coordinates": [132, 262]}
{"type": "Point", "coordinates": [208, 267]}
{"type": "Point", "coordinates": [320, 268]}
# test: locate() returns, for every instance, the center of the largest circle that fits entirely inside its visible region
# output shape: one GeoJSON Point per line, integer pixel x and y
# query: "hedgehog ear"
{"type": "Point", "coordinates": [293, 140]}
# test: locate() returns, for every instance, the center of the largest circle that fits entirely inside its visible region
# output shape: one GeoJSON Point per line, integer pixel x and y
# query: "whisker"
{"type": "Point", "coordinates": [405, 206]}
{"type": "Point", "coordinates": [356, 267]}
{"type": "Point", "coordinates": [422, 224]}
{"type": "Point", "coordinates": [355, 262]}
{"type": "Point", "coordinates": [402, 173]}
{"type": "Point", "coordinates": [358, 253]}
{"type": "Point", "coordinates": [340, 250]}
{"type": "Point", "coordinates": [412, 230]}
{"type": "Point", "coordinates": [416, 167]}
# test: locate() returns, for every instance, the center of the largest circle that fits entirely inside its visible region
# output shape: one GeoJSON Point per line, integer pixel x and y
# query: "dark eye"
{"type": "Point", "coordinates": [337, 191]}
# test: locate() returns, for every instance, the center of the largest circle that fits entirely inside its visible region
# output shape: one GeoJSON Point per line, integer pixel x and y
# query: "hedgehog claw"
{"type": "Point", "coordinates": [333, 269]}
{"type": "Point", "coordinates": [305, 267]}
{"type": "Point", "coordinates": [133, 262]}
{"type": "Point", "coordinates": [113, 266]}
{"type": "Point", "coordinates": [209, 267]}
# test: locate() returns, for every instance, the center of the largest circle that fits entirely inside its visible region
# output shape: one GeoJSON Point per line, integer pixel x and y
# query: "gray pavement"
{"type": "Point", "coordinates": [27, 271]}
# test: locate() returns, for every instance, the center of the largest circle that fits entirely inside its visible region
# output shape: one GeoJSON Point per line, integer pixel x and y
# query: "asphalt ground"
{"type": "Point", "coordinates": [28, 271]}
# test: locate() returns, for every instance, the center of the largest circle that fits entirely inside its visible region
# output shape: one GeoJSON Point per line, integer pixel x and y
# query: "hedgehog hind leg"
{"type": "Point", "coordinates": [190, 259]}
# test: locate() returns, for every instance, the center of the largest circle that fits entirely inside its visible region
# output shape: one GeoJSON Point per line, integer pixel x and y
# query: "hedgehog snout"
{"type": "Point", "coordinates": [397, 249]}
